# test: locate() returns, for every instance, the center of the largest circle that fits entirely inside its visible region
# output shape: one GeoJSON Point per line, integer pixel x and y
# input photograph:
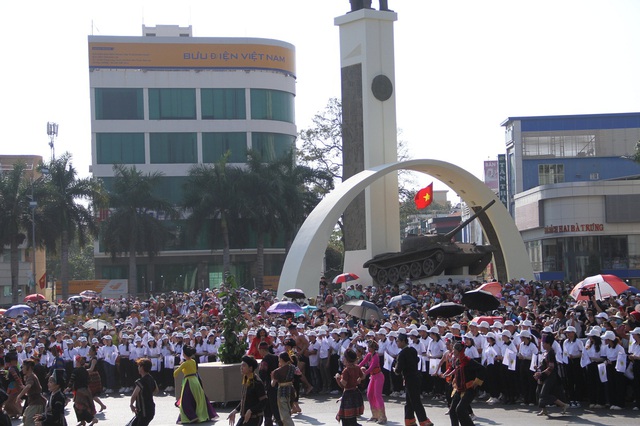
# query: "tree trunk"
{"type": "Point", "coordinates": [64, 264]}
{"type": "Point", "coordinates": [133, 273]}
{"type": "Point", "coordinates": [226, 247]}
{"type": "Point", "coordinates": [260, 261]}
{"type": "Point", "coordinates": [15, 271]}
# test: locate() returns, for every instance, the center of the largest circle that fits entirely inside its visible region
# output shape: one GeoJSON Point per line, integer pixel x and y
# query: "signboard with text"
{"type": "Point", "coordinates": [491, 175]}
{"type": "Point", "coordinates": [502, 178]}
{"type": "Point", "coordinates": [190, 56]}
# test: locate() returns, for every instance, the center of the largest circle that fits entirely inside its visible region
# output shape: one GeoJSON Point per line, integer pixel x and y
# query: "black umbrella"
{"type": "Point", "coordinates": [403, 299]}
{"type": "Point", "coordinates": [362, 309]}
{"type": "Point", "coordinates": [446, 310]}
{"type": "Point", "coordinates": [295, 293]}
{"type": "Point", "coordinates": [480, 300]}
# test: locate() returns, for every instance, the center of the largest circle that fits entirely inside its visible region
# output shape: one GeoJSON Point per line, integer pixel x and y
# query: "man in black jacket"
{"type": "Point", "coordinates": [407, 366]}
{"type": "Point", "coordinates": [468, 374]}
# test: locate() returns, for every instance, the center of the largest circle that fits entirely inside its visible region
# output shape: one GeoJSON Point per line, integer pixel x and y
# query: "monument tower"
{"type": "Point", "coordinates": [369, 133]}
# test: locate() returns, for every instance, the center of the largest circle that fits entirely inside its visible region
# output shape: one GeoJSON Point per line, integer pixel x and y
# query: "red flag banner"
{"type": "Point", "coordinates": [424, 197]}
{"type": "Point", "coordinates": [42, 282]}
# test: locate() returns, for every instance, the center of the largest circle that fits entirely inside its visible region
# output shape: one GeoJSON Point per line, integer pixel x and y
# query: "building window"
{"type": "Point", "coordinates": [550, 173]}
{"type": "Point", "coordinates": [215, 145]}
{"type": "Point", "coordinates": [272, 146]}
{"type": "Point", "coordinates": [614, 250]}
{"type": "Point", "coordinates": [223, 104]}
{"type": "Point", "coordinates": [120, 148]}
{"type": "Point", "coordinates": [566, 146]}
{"type": "Point", "coordinates": [171, 148]}
{"type": "Point", "coordinates": [119, 104]}
{"type": "Point", "coordinates": [172, 104]}
{"type": "Point", "coordinates": [272, 105]}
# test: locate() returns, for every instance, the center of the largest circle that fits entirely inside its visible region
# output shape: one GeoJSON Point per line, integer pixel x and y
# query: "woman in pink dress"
{"type": "Point", "coordinates": [376, 382]}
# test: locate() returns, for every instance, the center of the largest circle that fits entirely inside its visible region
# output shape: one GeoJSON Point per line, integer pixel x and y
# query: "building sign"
{"type": "Point", "coordinates": [577, 227]}
{"type": "Point", "coordinates": [502, 178]}
{"type": "Point", "coordinates": [191, 55]}
{"type": "Point", "coordinates": [491, 175]}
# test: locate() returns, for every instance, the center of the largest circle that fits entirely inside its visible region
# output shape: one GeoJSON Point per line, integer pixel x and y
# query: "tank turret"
{"type": "Point", "coordinates": [429, 255]}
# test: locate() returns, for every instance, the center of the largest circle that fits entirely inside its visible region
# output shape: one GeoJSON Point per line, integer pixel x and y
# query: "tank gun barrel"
{"type": "Point", "coordinates": [454, 231]}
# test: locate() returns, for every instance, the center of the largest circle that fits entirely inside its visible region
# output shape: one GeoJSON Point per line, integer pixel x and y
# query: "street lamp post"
{"type": "Point", "coordinates": [33, 204]}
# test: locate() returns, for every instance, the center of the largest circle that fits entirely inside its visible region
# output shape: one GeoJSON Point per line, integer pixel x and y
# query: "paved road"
{"type": "Point", "coordinates": [321, 409]}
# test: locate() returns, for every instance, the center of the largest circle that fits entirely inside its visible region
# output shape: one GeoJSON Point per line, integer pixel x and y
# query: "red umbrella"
{"type": "Point", "coordinates": [34, 297]}
{"type": "Point", "coordinates": [494, 288]}
{"type": "Point", "coordinates": [344, 278]}
{"type": "Point", "coordinates": [602, 286]}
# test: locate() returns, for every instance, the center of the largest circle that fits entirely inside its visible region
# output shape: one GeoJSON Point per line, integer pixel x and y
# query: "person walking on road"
{"type": "Point", "coordinates": [142, 397]}
{"type": "Point", "coordinates": [407, 366]}
{"type": "Point", "coordinates": [468, 374]}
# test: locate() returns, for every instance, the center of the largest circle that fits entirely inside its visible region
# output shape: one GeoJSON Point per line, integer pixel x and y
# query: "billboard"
{"type": "Point", "coordinates": [491, 175]}
{"type": "Point", "coordinates": [502, 179]}
{"type": "Point", "coordinates": [191, 56]}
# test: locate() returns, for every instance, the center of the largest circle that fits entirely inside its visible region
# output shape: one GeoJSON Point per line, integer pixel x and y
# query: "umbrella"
{"type": "Point", "coordinates": [16, 310]}
{"type": "Point", "coordinates": [295, 293]}
{"type": "Point", "coordinates": [284, 308]}
{"type": "Point", "coordinates": [78, 299]}
{"type": "Point", "coordinates": [403, 299]}
{"type": "Point", "coordinates": [632, 290]}
{"type": "Point", "coordinates": [36, 297]}
{"type": "Point", "coordinates": [309, 309]}
{"type": "Point", "coordinates": [603, 286]}
{"type": "Point", "coordinates": [494, 288]}
{"type": "Point", "coordinates": [489, 319]}
{"type": "Point", "coordinates": [2, 311]}
{"type": "Point", "coordinates": [362, 309]}
{"type": "Point", "coordinates": [480, 300]}
{"type": "Point", "coordinates": [354, 293]}
{"type": "Point", "coordinates": [344, 278]}
{"type": "Point", "coordinates": [446, 310]}
{"type": "Point", "coordinates": [89, 293]}
{"type": "Point", "coordinates": [98, 324]}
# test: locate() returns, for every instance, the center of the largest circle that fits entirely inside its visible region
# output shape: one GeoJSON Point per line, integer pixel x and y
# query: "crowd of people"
{"type": "Point", "coordinates": [539, 348]}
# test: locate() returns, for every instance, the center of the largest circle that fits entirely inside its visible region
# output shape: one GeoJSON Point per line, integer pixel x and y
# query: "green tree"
{"type": "Point", "coordinates": [232, 350]}
{"type": "Point", "coordinates": [81, 263]}
{"type": "Point", "coordinates": [15, 218]}
{"type": "Point", "coordinates": [212, 194]}
{"type": "Point", "coordinates": [64, 198]}
{"type": "Point", "coordinates": [302, 189]}
{"type": "Point", "coordinates": [261, 189]}
{"type": "Point", "coordinates": [132, 226]}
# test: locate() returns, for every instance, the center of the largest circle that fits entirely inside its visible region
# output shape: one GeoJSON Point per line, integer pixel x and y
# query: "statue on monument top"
{"type": "Point", "coordinates": [366, 4]}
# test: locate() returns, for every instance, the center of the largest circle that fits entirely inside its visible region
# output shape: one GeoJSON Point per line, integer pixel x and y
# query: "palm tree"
{"type": "Point", "coordinates": [15, 218]}
{"type": "Point", "coordinates": [132, 226]}
{"type": "Point", "coordinates": [65, 214]}
{"type": "Point", "coordinates": [211, 193]}
{"type": "Point", "coordinates": [302, 189]}
{"type": "Point", "coordinates": [261, 189]}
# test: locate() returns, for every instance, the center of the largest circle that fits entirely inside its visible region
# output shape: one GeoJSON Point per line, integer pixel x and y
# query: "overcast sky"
{"type": "Point", "coordinates": [462, 67]}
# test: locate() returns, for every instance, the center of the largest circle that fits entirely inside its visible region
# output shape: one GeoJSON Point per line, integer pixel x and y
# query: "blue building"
{"type": "Point", "coordinates": [574, 193]}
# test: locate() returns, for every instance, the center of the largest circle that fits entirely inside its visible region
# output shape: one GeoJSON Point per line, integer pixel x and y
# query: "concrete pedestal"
{"type": "Point", "coordinates": [222, 383]}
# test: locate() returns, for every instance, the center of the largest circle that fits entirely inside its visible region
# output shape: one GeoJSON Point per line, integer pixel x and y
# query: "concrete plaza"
{"type": "Point", "coordinates": [321, 409]}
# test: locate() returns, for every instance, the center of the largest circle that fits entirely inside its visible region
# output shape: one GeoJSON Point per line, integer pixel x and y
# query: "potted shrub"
{"type": "Point", "coordinates": [222, 381]}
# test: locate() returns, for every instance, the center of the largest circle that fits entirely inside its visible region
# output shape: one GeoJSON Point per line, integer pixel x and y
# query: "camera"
{"type": "Point", "coordinates": [587, 292]}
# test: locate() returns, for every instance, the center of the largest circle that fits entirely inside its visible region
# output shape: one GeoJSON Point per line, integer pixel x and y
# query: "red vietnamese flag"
{"type": "Point", "coordinates": [42, 282]}
{"type": "Point", "coordinates": [424, 197]}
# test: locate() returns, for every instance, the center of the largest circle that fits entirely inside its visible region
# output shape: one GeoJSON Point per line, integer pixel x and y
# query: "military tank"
{"type": "Point", "coordinates": [430, 255]}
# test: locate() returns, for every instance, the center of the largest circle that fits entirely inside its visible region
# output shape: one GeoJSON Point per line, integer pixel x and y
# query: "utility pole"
{"type": "Point", "coordinates": [52, 131]}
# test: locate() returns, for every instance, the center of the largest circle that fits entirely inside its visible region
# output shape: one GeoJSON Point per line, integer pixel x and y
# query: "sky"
{"type": "Point", "coordinates": [462, 67]}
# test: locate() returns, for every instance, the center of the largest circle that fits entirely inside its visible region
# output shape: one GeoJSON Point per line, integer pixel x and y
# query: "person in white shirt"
{"type": "Point", "coordinates": [314, 360]}
{"type": "Point", "coordinates": [324, 352]}
{"type": "Point", "coordinates": [616, 381]}
{"type": "Point", "coordinates": [490, 355]}
{"type": "Point", "coordinates": [109, 355]}
{"type": "Point", "coordinates": [595, 388]}
{"type": "Point", "coordinates": [124, 349]}
{"type": "Point", "coordinates": [572, 348]}
{"type": "Point", "coordinates": [527, 350]}
{"type": "Point", "coordinates": [509, 377]}
{"type": "Point", "coordinates": [634, 357]}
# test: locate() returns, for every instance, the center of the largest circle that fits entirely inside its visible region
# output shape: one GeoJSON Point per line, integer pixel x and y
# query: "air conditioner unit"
{"type": "Point", "coordinates": [594, 176]}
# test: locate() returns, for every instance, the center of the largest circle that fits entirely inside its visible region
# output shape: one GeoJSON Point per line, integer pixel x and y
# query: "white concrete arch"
{"type": "Point", "coordinates": [303, 265]}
